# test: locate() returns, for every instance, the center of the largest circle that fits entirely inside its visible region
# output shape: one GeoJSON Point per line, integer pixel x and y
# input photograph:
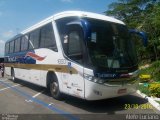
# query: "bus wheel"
{"type": "Point", "coordinates": [13, 75]}
{"type": "Point", "coordinates": [54, 89]}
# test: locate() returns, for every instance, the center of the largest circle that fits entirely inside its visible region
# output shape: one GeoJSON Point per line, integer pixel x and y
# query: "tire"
{"type": "Point", "coordinates": [54, 89]}
{"type": "Point", "coordinates": [13, 75]}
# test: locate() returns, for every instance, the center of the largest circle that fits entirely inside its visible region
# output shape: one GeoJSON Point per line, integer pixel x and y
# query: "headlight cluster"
{"type": "Point", "coordinates": [110, 82]}
{"type": "Point", "coordinates": [93, 79]}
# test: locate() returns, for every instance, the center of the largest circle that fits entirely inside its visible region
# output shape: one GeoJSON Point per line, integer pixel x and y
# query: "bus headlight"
{"type": "Point", "coordinates": [93, 79]}
{"type": "Point", "coordinates": [88, 77]}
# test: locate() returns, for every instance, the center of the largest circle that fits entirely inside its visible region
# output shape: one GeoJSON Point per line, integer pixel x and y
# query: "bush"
{"type": "Point", "coordinates": [156, 70]}
{"type": "Point", "coordinates": [145, 77]}
{"type": "Point", "coordinates": [153, 70]}
{"type": "Point", "coordinates": [154, 89]}
{"type": "Point", "coordinates": [144, 89]}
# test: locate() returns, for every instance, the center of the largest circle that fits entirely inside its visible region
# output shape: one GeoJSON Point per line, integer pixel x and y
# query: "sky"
{"type": "Point", "coordinates": [17, 15]}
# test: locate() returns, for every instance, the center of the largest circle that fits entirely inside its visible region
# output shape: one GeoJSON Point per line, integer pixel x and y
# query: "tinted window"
{"type": "Point", "coordinates": [74, 43]}
{"type": "Point", "coordinates": [47, 37]}
{"type": "Point", "coordinates": [62, 27]}
{"type": "Point", "coordinates": [17, 45]}
{"type": "Point", "coordinates": [7, 48]}
{"type": "Point", "coordinates": [11, 47]}
{"type": "Point", "coordinates": [34, 39]}
{"type": "Point", "coordinates": [71, 35]}
{"type": "Point", "coordinates": [109, 45]}
{"type": "Point", "coordinates": [24, 42]}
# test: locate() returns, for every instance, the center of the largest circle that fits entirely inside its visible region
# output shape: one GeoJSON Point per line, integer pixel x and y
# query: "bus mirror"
{"type": "Point", "coordinates": [143, 35]}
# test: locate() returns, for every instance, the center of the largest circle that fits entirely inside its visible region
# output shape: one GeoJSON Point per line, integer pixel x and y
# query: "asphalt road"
{"type": "Point", "coordinates": [24, 101]}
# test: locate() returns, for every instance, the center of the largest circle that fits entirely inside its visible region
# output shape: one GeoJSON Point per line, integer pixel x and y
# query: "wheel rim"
{"type": "Point", "coordinates": [54, 88]}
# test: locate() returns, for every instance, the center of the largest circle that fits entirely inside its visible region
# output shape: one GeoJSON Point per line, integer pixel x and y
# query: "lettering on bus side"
{"type": "Point", "coordinates": [12, 59]}
{"type": "Point", "coordinates": [61, 61]}
{"type": "Point", "coordinates": [22, 59]}
{"type": "Point", "coordinates": [105, 75]}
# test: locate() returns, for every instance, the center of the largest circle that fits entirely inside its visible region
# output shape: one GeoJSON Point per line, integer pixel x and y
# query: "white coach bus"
{"type": "Point", "coordinates": [87, 55]}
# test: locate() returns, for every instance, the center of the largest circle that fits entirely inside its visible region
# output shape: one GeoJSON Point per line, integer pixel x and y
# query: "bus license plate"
{"type": "Point", "coordinates": [122, 91]}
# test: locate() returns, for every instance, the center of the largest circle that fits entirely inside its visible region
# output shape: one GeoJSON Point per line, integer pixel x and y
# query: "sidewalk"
{"type": "Point", "coordinates": [151, 100]}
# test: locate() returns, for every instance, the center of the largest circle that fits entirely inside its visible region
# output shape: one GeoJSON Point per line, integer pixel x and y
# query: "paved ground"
{"type": "Point", "coordinates": [23, 100]}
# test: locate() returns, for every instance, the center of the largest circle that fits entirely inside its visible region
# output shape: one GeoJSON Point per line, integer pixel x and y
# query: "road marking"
{"type": "Point", "coordinates": [50, 104]}
{"type": "Point", "coordinates": [9, 87]}
{"type": "Point", "coordinates": [43, 103]}
{"type": "Point", "coordinates": [34, 96]}
{"type": "Point", "coordinates": [37, 94]}
{"type": "Point", "coordinates": [28, 100]}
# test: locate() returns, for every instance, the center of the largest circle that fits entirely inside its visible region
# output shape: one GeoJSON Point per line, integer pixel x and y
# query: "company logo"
{"type": "Point", "coordinates": [106, 75]}
{"type": "Point", "coordinates": [34, 56]}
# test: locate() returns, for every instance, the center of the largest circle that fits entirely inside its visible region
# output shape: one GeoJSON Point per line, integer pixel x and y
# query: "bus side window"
{"type": "Point", "coordinates": [47, 39]}
{"type": "Point", "coordinates": [17, 45]}
{"type": "Point", "coordinates": [75, 45]}
{"type": "Point", "coordinates": [34, 39]}
{"type": "Point", "coordinates": [11, 50]}
{"type": "Point", "coordinates": [24, 42]}
{"type": "Point", "coordinates": [7, 48]}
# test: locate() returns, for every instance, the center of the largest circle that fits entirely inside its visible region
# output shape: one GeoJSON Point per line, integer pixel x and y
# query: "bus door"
{"type": "Point", "coordinates": [73, 49]}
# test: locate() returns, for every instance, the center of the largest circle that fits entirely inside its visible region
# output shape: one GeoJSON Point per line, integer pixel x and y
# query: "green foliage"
{"type": "Point", "coordinates": [143, 15]}
{"type": "Point", "coordinates": [156, 70]}
{"type": "Point", "coordinates": [144, 78]}
{"type": "Point", "coordinates": [153, 70]}
{"type": "Point", "coordinates": [154, 89]}
{"type": "Point", "coordinates": [144, 89]}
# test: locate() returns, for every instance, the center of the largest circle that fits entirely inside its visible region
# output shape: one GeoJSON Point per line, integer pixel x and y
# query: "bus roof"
{"type": "Point", "coordinates": [15, 37]}
{"type": "Point", "coordinates": [86, 14]}
{"type": "Point", "coordinates": [70, 14]}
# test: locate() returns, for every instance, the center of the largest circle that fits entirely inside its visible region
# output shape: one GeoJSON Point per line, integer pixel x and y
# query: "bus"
{"type": "Point", "coordinates": [82, 54]}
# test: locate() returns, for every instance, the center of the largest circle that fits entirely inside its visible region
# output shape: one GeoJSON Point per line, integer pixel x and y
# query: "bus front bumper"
{"type": "Point", "coordinates": [94, 91]}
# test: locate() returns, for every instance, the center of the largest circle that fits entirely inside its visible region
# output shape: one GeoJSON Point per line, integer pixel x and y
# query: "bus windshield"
{"type": "Point", "coordinates": [110, 45]}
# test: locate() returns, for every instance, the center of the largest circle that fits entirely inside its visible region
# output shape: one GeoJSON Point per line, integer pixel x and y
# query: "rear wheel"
{"type": "Point", "coordinates": [54, 89]}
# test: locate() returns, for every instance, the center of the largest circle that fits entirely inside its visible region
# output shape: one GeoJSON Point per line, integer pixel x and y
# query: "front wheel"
{"type": "Point", "coordinates": [54, 90]}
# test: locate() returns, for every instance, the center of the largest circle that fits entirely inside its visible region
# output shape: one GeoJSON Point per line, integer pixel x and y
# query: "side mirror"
{"type": "Point", "coordinates": [143, 35]}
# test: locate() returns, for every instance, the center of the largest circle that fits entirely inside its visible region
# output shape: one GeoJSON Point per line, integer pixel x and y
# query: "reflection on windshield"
{"type": "Point", "coordinates": [110, 46]}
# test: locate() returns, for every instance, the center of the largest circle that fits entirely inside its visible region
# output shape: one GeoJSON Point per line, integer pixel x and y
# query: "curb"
{"type": "Point", "coordinates": [150, 100]}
